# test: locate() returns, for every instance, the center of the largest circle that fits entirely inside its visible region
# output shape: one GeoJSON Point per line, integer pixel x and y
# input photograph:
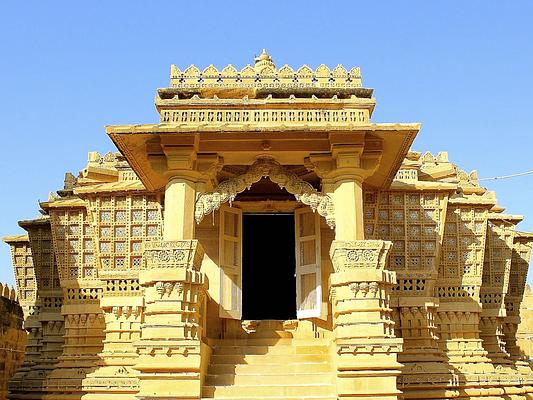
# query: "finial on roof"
{"type": "Point", "coordinates": [264, 60]}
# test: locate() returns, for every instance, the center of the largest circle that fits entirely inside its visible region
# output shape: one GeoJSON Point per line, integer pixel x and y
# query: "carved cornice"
{"type": "Point", "coordinates": [266, 167]}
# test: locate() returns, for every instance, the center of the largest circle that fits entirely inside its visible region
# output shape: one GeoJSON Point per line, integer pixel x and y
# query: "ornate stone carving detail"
{"type": "Point", "coordinates": [359, 254]}
{"type": "Point", "coordinates": [365, 289]}
{"type": "Point", "coordinates": [168, 254]}
{"type": "Point", "coordinates": [263, 75]}
{"type": "Point", "coordinates": [166, 288]}
{"type": "Point", "coordinates": [370, 348]}
{"type": "Point", "coordinates": [126, 311]}
{"type": "Point", "coordinates": [266, 167]}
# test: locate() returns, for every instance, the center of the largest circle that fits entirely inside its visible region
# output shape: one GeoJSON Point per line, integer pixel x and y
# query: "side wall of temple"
{"type": "Point", "coordinates": [12, 337]}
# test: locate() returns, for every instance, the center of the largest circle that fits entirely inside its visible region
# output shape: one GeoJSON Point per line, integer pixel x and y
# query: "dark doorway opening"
{"type": "Point", "coordinates": [268, 281]}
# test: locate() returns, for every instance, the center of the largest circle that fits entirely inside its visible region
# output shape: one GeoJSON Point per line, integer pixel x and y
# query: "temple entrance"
{"type": "Point", "coordinates": [268, 275]}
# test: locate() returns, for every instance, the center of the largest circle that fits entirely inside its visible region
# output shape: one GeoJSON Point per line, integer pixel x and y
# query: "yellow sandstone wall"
{"type": "Point", "coordinates": [12, 337]}
{"type": "Point", "coordinates": [524, 335]}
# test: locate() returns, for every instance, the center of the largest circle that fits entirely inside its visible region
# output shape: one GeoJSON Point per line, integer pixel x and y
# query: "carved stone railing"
{"type": "Point", "coordinates": [288, 117]}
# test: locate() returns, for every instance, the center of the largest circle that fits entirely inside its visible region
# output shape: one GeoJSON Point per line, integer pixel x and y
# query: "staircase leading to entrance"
{"type": "Point", "coordinates": [270, 364]}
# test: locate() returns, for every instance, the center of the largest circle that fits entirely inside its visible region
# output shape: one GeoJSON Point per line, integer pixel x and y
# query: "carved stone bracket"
{"type": "Point", "coordinates": [266, 167]}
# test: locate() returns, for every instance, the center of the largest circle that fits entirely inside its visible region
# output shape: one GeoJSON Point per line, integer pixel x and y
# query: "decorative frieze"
{"type": "Point", "coordinates": [288, 117]}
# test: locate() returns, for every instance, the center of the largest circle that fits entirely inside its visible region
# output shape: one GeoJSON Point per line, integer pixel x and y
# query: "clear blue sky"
{"type": "Point", "coordinates": [462, 68]}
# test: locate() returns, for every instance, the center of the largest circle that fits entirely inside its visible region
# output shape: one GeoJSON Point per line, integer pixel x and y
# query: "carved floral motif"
{"type": "Point", "coordinates": [168, 254]}
{"type": "Point", "coordinates": [266, 167]}
{"type": "Point", "coordinates": [359, 254]}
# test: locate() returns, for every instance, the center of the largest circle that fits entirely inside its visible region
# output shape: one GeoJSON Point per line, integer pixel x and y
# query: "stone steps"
{"type": "Point", "coordinates": [270, 369]}
{"type": "Point", "coordinates": [268, 379]}
{"type": "Point", "coordinates": [266, 358]}
{"type": "Point", "coordinates": [259, 391]}
{"type": "Point", "coordinates": [269, 365]}
{"type": "Point", "coordinates": [270, 350]}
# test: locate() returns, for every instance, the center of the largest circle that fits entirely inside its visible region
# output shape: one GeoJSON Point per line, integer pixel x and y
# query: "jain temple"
{"type": "Point", "coordinates": [266, 240]}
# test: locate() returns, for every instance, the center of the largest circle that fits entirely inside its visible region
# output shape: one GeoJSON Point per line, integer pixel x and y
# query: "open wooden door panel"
{"type": "Point", "coordinates": [308, 274]}
{"type": "Point", "coordinates": [230, 262]}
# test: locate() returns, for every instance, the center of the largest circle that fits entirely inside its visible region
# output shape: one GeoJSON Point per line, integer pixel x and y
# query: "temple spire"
{"type": "Point", "coordinates": [264, 60]}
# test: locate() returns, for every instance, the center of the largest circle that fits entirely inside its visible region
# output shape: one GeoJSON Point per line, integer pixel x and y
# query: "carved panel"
{"type": "Point", "coordinates": [463, 253]}
{"type": "Point", "coordinates": [413, 221]}
{"type": "Point", "coordinates": [122, 223]}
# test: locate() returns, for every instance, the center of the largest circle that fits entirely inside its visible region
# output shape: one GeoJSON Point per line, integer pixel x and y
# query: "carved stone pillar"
{"type": "Point", "coordinates": [12, 337]}
{"type": "Point", "coordinates": [510, 328]}
{"type": "Point", "coordinates": [418, 331]}
{"type": "Point", "coordinates": [45, 321]}
{"type": "Point", "coordinates": [366, 347]}
{"type": "Point", "coordinates": [25, 272]}
{"type": "Point", "coordinates": [179, 209]}
{"type": "Point", "coordinates": [458, 330]}
{"type": "Point", "coordinates": [170, 361]}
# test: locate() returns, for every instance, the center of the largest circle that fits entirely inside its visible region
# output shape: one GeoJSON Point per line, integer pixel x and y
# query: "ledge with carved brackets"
{"type": "Point", "coordinates": [370, 346]}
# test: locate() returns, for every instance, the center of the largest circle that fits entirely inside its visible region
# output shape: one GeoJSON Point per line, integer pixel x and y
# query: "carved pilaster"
{"type": "Point", "coordinates": [491, 332]}
{"type": "Point", "coordinates": [425, 373]}
{"type": "Point", "coordinates": [27, 381]}
{"type": "Point", "coordinates": [169, 362]}
{"type": "Point", "coordinates": [83, 342]}
{"type": "Point", "coordinates": [115, 377]}
{"type": "Point", "coordinates": [364, 330]}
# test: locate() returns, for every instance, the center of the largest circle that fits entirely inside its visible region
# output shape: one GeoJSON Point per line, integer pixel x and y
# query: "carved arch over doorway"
{"type": "Point", "coordinates": [266, 167]}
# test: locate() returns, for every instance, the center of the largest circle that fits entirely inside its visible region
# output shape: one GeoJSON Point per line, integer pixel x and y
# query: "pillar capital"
{"type": "Point", "coordinates": [185, 162]}
{"type": "Point", "coordinates": [343, 172]}
{"type": "Point", "coordinates": [345, 162]}
{"type": "Point", "coordinates": [180, 158]}
{"type": "Point", "coordinates": [191, 173]}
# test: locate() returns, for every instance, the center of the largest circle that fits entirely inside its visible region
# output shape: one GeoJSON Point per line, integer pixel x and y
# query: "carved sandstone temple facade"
{"type": "Point", "coordinates": [266, 240]}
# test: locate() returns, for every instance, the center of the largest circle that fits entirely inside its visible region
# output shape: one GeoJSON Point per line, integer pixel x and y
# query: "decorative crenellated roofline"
{"type": "Point", "coordinates": [427, 167]}
{"type": "Point", "coordinates": [8, 292]}
{"type": "Point", "coordinates": [265, 74]}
